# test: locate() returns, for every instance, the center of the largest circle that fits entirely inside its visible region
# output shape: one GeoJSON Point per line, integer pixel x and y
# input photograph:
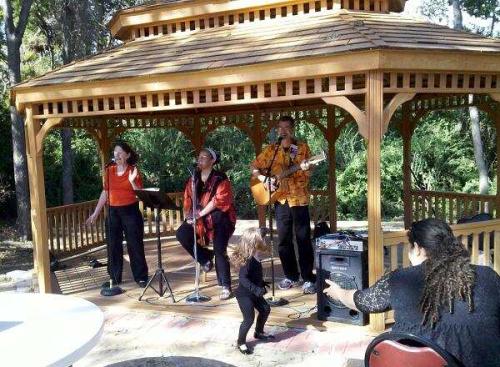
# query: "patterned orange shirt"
{"type": "Point", "coordinates": [294, 188]}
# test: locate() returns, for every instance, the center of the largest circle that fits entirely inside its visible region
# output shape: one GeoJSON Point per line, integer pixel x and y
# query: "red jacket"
{"type": "Point", "coordinates": [217, 188]}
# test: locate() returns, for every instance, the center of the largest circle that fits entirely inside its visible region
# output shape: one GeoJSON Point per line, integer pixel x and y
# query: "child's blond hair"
{"type": "Point", "coordinates": [251, 240]}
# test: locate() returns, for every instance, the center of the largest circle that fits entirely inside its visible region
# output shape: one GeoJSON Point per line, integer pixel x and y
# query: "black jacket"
{"type": "Point", "coordinates": [251, 282]}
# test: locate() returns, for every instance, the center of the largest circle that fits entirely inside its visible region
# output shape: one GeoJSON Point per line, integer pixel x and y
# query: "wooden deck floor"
{"type": "Point", "coordinates": [81, 280]}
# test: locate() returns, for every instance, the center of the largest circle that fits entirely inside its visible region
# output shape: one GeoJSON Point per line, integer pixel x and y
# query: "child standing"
{"type": "Point", "coordinates": [251, 288]}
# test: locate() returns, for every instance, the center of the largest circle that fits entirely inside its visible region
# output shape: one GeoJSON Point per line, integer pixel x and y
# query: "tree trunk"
{"type": "Point", "coordinates": [474, 117]}
{"type": "Point", "coordinates": [68, 55]}
{"type": "Point", "coordinates": [14, 35]}
{"type": "Point", "coordinates": [478, 150]}
{"type": "Point", "coordinates": [493, 22]}
{"type": "Point", "coordinates": [67, 166]}
{"type": "Point", "coordinates": [23, 222]}
{"type": "Point", "coordinates": [456, 14]}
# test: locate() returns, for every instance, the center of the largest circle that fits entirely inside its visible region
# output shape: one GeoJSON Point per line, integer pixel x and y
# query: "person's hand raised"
{"type": "Point", "coordinates": [132, 175]}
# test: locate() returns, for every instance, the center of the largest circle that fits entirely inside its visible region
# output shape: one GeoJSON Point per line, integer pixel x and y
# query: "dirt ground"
{"type": "Point", "coordinates": [14, 255]}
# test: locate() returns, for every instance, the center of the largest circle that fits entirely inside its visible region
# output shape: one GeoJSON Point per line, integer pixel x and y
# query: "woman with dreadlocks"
{"type": "Point", "coordinates": [442, 297]}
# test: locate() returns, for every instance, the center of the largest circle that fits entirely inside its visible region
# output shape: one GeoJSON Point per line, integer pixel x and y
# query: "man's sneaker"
{"type": "Point", "coordinates": [225, 293]}
{"type": "Point", "coordinates": [287, 283]}
{"type": "Point", "coordinates": [309, 288]}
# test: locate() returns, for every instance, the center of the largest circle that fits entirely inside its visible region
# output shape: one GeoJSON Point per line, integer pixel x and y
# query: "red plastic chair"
{"type": "Point", "coordinates": [406, 350]}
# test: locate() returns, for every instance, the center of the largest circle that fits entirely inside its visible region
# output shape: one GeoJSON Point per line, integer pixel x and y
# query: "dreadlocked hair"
{"type": "Point", "coordinates": [250, 242]}
{"type": "Point", "coordinates": [449, 275]}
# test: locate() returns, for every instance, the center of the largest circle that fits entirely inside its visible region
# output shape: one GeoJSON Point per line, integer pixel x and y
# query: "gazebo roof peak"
{"type": "Point", "coordinates": [170, 16]}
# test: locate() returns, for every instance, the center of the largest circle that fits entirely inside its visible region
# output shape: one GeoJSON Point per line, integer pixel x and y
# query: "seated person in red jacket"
{"type": "Point", "coordinates": [215, 217]}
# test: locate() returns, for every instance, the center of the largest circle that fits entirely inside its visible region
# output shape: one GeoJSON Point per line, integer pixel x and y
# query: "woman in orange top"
{"type": "Point", "coordinates": [121, 179]}
{"type": "Point", "coordinates": [216, 218]}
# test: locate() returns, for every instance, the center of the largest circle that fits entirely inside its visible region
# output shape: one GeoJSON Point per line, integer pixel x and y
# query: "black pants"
{"type": "Point", "coordinates": [126, 219]}
{"type": "Point", "coordinates": [223, 230]}
{"type": "Point", "coordinates": [248, 305]}
{"type": "Point", "coordinates": [286, 219]}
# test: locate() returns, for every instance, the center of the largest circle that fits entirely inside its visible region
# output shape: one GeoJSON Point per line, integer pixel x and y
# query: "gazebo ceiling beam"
{"type": "Point", "coordinates": [278, 91]}
{"type": "Point", "coordinates": [240, 95]}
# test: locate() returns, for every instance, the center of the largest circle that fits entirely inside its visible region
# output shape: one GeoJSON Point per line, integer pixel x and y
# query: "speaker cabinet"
{"type": "Point", "coordinates": [350, 270]}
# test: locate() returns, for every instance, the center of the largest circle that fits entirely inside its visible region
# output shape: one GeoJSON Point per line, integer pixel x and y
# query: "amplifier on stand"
{"type": "Point", "coordinates": [343, 259]}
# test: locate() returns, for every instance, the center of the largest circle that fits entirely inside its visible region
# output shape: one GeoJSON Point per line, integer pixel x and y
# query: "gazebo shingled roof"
{"type": "Point", "coordinates": [180, 66]}
{"type": "Point", "coordinates": [277, 40]}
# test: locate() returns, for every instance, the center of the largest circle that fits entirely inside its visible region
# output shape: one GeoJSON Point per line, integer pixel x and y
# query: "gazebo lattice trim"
{"type": "Point", "coordinates": [242, 16]}
{"type": "Point", "coordinates": [273, 91]}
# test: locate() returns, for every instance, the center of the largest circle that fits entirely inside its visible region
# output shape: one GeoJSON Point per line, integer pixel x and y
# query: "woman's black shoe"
{"type": "Point", "coordinates": [263, 336]}
{"type": "Point", "coordinates": [106, 284]}
{"type": "Point", "coordinates": [243, 348]}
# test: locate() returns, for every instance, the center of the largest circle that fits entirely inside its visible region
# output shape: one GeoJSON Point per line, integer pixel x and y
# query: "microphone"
{"type": "Point", "coordinates": [280, 138]}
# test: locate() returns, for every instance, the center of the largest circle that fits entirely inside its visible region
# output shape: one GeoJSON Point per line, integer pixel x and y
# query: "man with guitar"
{"type": "Point", "coordinates": [289, 177]}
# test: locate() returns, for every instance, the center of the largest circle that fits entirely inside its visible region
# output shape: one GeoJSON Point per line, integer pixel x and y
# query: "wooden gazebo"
{"type": "Point", "coordinates": [195, 65]}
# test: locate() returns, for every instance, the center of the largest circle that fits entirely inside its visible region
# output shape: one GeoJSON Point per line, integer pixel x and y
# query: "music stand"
{"type": "Point", "coordinates": [158, 200]}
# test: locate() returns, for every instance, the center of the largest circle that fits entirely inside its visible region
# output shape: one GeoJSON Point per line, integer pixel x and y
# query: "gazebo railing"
{"type": "Point", "coordinates": [450, 206]}
{"type": "Point", "coordinates": [170, 219]}
{"type": "Point", "coordinates": [69, 235]}
{"type": "Point", "coordinates": [67, 232]}
{"type": "Point", "coordinates": [482, 239]}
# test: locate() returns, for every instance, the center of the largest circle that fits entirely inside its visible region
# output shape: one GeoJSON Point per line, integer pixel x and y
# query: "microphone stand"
{"type": "Point", "coordinates": [195, 297]}
{"type": "Point", "coordinates": [113, 289]}
{"type": "Point", "coordinates": [273, 301]}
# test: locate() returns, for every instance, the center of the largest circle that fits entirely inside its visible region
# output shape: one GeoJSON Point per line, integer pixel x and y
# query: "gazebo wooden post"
{"type": "Point", "coordinates": [257, 139]}
{"type": "Point", "coordinates": [496, 117]}
{"type": "Point", "coordinates": [332, 136]}
{"type": "Point", "coordinates": [104, 143]}
{"type": "Point", "coordinates": [497, 126]}
{"type": "Point", "coordinates": [407, 133]}
{"type": "Point", "coordinates": [34, 151]}
{"type": "Point", "coordinates": [198, 140]}
{"type": "Point", "coordinates": [375, 121]}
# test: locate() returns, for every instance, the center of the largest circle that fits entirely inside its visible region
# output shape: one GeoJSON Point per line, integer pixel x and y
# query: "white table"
{"type": "Point", "coordinates": [46, 329]}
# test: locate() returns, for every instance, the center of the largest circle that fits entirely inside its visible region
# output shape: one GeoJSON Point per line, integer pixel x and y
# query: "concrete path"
{"type": "Point", "coordinates": [153, 339]}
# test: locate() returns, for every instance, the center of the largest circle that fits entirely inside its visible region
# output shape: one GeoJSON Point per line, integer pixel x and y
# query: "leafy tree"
{"type": "Point", "coordinates": [14, 34]}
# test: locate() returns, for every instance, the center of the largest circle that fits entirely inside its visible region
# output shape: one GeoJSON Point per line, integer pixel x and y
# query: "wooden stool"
{"type": "Point", "coordinates": [210, 247]}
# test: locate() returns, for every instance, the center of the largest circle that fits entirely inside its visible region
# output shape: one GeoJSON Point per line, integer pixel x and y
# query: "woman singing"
{"type": "Point", "coordinates": [215, 218]}
{"type": "Point", "coordinates": [121, 179]}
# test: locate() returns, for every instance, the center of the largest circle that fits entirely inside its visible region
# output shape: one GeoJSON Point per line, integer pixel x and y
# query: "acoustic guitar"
{"type": "Point", "coordinates": [260, 190]}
